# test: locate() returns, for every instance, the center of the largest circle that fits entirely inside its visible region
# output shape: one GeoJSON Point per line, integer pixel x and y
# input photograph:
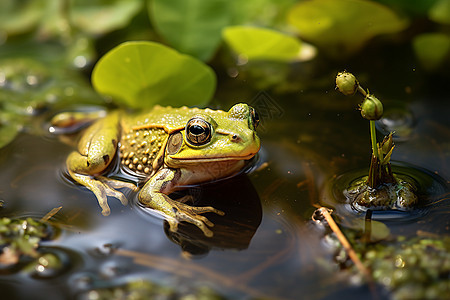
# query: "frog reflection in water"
{"type": "Point", "coordinates": [170, 147]}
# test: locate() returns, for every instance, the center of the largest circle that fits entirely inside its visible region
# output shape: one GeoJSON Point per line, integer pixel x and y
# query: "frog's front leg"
{"type": "Point", "coordinates": [96, 149]}
{"type": "Point", "coordinates": [154, 195]}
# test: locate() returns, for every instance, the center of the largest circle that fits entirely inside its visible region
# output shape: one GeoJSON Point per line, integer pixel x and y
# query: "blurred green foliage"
{"type": "Point", "coordinates": [432, 49]}
{"type": "Point", "coordinates": [191, 26]}
{"type": "Point", "coordinates": [254, 43]}
{"type": "Point", "coordinates": [343, 27]}
{"type": "Point", "coordinates": [67, 37]}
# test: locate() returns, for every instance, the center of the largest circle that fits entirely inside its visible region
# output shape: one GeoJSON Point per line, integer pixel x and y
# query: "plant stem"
{"type": "Point", "coordinates": [362, 91]}
{"type": "Point", "coordinates": [373, 137]}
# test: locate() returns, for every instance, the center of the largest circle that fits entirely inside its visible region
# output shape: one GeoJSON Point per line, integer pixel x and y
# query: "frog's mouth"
{"type": "Point", "coordinates": [211, 159]}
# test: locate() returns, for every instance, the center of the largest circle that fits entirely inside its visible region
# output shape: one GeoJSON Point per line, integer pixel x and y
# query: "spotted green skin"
{"type": "Point", "coordinates": [153, 145]}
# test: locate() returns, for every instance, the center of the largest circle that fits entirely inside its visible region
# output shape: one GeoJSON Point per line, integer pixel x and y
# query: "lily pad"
{"type": "Point", "coordinates": [343, 27]}
{"type": "Point", "coordinates": [142, 74]}
{"type": "Point", "coordinates": [253, 43]}
{"type": "Point", "coordinates": [191, 26]}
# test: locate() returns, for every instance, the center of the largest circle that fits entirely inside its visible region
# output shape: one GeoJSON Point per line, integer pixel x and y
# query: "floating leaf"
{"type": "Point", "coordinates": [378, 230]}
{"type": "Point", "coordinates": [142, 74]}
{"type": "Point", "coordinates": [99, 16]}
{"type": "Point", "coordinates": [253, 43]}
{"type": "Point", "coordinates": [432, 49]}
{"type": "Point", "coordinates": [343, 27]}
{"type": "Point", "coordinates": [191, 26]}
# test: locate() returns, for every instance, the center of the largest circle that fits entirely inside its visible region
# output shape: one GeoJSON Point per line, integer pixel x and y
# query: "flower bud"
{"type": "Point", "coordinates": [346, 83]}
{"type": "Point", "coordinates": [371, 108]}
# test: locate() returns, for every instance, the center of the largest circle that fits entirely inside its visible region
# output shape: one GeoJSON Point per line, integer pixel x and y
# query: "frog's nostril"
{"type": "Point", "coordinates": [235, 138]}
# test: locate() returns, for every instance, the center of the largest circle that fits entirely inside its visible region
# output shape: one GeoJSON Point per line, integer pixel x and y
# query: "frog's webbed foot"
{"type": "Point", "coordinates": [192, 214]}
{"type": "Point", "coordinates": [102, 187]}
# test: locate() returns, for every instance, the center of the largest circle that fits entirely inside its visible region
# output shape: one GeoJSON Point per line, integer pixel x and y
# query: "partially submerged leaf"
{"type": "Point", "coordinates": [191, 26]}
{"type": "Point", "coordinates": [343, 27]}
{"type": "Point", "coordinates": [253, 43]}
{"type": "Point", "coordinates": [378, 230]}
{"type": "Point", "coordinates": [142, 74]}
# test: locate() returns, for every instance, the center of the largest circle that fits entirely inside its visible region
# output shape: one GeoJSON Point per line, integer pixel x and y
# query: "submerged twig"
{"type": "Point", "coordinates": [187, 269]}
{"type": "Point", "coordinates": [50, 214]}
{"type": "Point", "coordinates": [348, 248]}
{"type": "Point", "coordinates": [344, 242]}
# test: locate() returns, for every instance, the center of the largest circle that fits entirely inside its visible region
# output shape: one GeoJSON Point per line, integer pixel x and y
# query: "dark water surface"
{"type": "Point", "coordinates": [264, 247]}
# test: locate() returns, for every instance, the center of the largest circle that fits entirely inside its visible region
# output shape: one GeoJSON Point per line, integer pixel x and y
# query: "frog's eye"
{"type": "Point", "coordinates": [255, 117]}
{"type": "Point", "coordinates": [198, 132]}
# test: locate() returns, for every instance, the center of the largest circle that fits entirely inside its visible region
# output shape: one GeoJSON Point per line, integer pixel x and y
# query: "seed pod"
{"type": "Point", "coordinates": [346, 83]}
{"type": "Point", "coordinates": [371, 108]}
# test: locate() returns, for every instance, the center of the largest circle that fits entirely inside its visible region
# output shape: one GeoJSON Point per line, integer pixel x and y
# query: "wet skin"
{"type": "Point", "coordinates": [169, 148]}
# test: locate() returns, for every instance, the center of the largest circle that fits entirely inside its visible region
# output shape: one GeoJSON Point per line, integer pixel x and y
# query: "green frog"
{"type": "Point", "coordinates": [167, 148]}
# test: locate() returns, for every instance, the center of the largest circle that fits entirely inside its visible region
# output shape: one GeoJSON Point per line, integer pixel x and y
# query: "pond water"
{"type": "Point", "coordinates": [265, 246]}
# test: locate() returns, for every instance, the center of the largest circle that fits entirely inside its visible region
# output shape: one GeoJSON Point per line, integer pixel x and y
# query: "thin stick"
{"type": "Point", "coordinates": [341, 237]}
{"type": "Point", "coordinates": [50, 214]}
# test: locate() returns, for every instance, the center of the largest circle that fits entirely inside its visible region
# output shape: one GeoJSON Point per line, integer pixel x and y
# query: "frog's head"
{"type": "Point", "coordinates": [214, 136]}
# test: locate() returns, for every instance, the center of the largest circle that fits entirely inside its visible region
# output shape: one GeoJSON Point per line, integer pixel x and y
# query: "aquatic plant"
{"type": "Point", "coordinates": [381, 188]}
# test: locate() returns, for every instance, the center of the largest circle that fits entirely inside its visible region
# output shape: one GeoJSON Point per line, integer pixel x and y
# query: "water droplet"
{"type": "Point", "coordinates": [32, 80]}
{"type": "Point", "coordinates": [80, 61]}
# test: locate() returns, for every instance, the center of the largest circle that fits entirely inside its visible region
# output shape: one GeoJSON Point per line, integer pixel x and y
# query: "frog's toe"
{"type": "Point", "coordinates": [103, 202]}
{"type": "Point", "coordinates": [191, 215]}
{"type": "Point", "coordinates": [117, 195]}
{"type": "Point", "coordinates": [198, 221]}
{"type": "Point", "coordinates": [117, 184]}
{"type": "Point", "coordinates": [106, 211]}
{"type": "Point", "coordinates": [173, 223]}
{"type": "Point", "coordinates": [206, 209]}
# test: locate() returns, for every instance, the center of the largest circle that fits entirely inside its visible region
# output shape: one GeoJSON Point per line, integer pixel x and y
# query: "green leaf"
{"type": "Point", "coordinates": [440, 12]}
{"type": "Point", "coordinates": [142, 74]}
{"type": "Point", "coordinates": [269, 13]}
{"type": "Point", "coordinates": [343, 27]}
{"type": "Point", "coordinates": [100, 16]}
{"type": "Point", "coordinates": [20, 16]}
{"type": "Point", "coordinates": [378, 230]}
{"type": "Point", "coordinates": [191, 26]}
{"type": "Point", "coordinates": [253, 43]}
{"type": "Point", "coordinates": [432, 49]}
